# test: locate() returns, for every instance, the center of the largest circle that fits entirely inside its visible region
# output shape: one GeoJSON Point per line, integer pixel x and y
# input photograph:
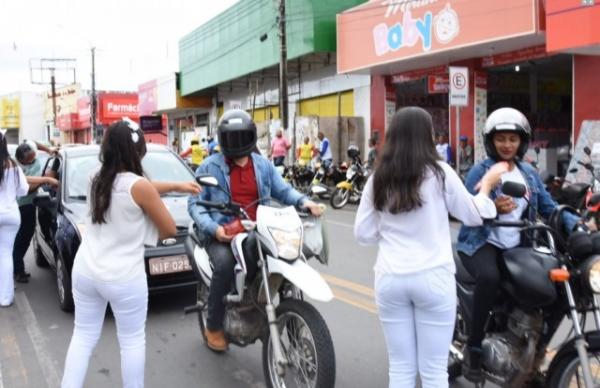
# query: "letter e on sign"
{"type": "Point", "coordinates": [459, 86]}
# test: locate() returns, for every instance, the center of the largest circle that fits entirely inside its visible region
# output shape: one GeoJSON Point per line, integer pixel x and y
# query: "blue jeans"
{"type": "Point", "coordinates": [417, 312]}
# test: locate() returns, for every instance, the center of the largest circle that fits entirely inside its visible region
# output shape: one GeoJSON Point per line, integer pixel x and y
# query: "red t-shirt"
{"type": "Point", "coordinates": [243, 186]}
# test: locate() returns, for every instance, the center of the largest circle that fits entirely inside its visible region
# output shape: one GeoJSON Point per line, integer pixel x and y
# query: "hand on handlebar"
{"type": "Point", "coordinates": [314, 208]}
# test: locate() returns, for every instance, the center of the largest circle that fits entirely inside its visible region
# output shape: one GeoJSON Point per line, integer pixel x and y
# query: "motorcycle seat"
{"type": "Point", "coordinates": [462, 275]}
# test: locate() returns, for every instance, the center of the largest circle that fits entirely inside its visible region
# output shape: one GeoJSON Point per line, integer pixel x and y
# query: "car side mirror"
{"type": "Point", "coordinates": [514, 189]}
{"type": "Point", "coordinates": [44, 200]}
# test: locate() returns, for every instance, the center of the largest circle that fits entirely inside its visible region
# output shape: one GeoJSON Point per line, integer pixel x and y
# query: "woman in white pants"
{"type": "Point", "coordinates": [126, 213]}
{"type": "Point", "coordinates": [404, 209]}
{"type": "Point", "coordinates": [13, 184]}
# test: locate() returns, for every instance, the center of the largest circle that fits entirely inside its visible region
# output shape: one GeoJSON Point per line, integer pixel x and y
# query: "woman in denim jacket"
{"type": "Point", "coordinates": [506, 138]}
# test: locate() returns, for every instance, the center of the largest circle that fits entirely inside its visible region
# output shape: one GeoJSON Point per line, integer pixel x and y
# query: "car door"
{"type": "Point", "coordinates": [47, 210]}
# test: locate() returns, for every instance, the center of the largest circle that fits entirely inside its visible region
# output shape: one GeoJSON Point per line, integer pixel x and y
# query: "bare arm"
{"type": "Point", "coordinates": [180, 187]}
{"type": "Point", "coordinates": [146, 196]}
{"type": "Point", "coordinates": [37, 181]}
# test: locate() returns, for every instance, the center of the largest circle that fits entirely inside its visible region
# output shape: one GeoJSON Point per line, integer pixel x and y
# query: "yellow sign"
{"type": "Point", "coordinates": [10, 112]}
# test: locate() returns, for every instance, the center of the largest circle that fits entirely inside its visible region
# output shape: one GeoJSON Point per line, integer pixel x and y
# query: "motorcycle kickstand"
{"type": "Point", "coordinates": [193, 309]}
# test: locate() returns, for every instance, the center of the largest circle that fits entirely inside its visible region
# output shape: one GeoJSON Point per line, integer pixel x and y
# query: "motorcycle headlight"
{"type": "Point", "coordinates": [288, 243]}
{"type": "Point", "coordinates": [592, 274]}
{"type": "Point", "coordinates": [350, 173]}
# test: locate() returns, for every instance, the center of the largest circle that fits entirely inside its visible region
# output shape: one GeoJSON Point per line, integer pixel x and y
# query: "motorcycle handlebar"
{"type": "Point", "coordinates": [213, 205]}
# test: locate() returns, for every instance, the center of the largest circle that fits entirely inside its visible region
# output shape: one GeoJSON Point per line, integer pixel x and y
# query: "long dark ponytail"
{"type": "Point", "coordinates": [122, 150]}
{"type": "Point", "coordinates": [6, 161]}
{"type": "Point", "coordinates": [408, 155]}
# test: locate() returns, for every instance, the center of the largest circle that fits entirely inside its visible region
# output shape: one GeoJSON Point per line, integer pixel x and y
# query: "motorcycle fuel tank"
{"type": "Point", "coordinates": [528, 280]}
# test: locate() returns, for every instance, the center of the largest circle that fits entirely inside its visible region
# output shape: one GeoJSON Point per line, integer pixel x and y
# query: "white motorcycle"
{"type": "Point", "coordinates": [297, 346]}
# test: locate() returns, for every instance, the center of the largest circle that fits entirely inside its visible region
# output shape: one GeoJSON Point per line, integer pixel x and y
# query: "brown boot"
{"type": "Point", "coordinates": [215, 340]}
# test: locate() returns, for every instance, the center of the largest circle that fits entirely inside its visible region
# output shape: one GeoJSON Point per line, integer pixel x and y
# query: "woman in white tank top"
{"type": "Point", "coordinates": [13, 184]}
{"type": "Point", "coordinates": [126, 213]}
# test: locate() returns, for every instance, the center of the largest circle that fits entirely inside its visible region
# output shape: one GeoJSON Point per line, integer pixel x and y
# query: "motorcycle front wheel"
{"type": "Point", "coordinates": [339, 198]}
{"type": "Point", "coordinates": [202, 298]}
{"type": "Point", "coordinates": [567, 373]}
{"type": "Point", "coordinates": [307, 346]}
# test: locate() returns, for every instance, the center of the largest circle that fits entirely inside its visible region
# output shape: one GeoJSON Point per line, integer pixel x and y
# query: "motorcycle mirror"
{"type": "Point", "coordinates": [537, 150]}
{"type": "Point", "coordinates": [207, 180]}
{"type": "Point", "coordinates": [587, 150]}
{"type": "Point", "coordinates": [514, 189]}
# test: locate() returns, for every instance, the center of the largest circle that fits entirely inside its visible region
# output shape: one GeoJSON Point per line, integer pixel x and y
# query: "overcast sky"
{"type": "Point", "coordinates": [135, 40]}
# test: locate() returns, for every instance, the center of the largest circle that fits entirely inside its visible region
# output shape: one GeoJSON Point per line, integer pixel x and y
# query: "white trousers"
{"type": "Point", "coordinates": [417, 312]}
{"type": "Point", "coordinates": [129, 304]}
{"type": "Point", "coordinates": [9, 226]}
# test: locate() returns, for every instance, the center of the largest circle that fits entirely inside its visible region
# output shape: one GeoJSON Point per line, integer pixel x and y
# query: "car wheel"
{"type": "Point", "coordinates": [40, 260]}
{"type": "Point", "coordinates": [63, 282]}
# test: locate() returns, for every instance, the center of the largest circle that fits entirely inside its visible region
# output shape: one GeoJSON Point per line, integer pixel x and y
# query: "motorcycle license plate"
{"type": "Point", "coordinates": [169, 264]}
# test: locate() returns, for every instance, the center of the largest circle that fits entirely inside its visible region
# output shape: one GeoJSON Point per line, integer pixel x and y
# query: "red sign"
{"type": "Point", "coordinates": [572, 24]}
{"type": "Point", "coordinates": [67, 121]}
{"type": "Point", "coordinates": [515, 56]}
{"type": "Point", "coordinates": [115, 106]}
{"type": "Point", "coordinates": [438, 84]}
{"type": "Point", "coordinates": [148, 100]}
{"type": "Point", "coordinates": [418, 74]}
{"type": "Point", "coordinates": [85, 112]}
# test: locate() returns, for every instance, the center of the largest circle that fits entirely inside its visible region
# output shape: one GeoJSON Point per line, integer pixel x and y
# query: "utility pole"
{"type": "Point", "coordinates": [93, 99]}
{"type": "Point", "coordinates": [283, 84]}
{"type": "Point", "coordinates": [53, 89]}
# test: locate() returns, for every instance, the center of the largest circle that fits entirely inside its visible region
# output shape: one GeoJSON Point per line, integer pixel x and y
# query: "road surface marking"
{"type": "Point", "coordinates": [340, 224]}
{"type": "Point", "coordinates": [350, 299]}
{"type": "Point", "coordinates": [359, 288]}
{"type": "Point", "coordinates": [35, 334]}
{"type": "Point", "coordinates": [9, 345]}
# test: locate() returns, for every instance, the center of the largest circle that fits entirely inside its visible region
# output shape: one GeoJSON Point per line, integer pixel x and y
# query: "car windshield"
{"type": "Point", "coordinates": [158, 166]}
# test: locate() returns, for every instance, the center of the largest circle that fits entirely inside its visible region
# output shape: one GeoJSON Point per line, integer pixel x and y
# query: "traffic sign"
{"type": "Point", "coordinates": [459, 86]}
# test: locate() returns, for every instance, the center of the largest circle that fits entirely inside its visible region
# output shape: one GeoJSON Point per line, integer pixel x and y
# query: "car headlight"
{"type": "Point", "coordinates": [592, 274]}
{"type": "Point", "coordinates": [288, 243]}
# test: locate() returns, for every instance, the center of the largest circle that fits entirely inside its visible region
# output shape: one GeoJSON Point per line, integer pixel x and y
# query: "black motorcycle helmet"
{"type": "Point", "coordinates": [236, 133]}
{"type": "Point", "coordinates": [353, 151]}
{"type": "Point", "coordinates": [506, 120]}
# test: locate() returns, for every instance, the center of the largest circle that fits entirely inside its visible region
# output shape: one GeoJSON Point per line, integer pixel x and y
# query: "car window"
{"type": "Point", "coordinates": [158, 166]}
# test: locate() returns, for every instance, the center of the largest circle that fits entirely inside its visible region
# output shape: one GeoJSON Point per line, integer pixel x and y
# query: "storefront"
{"type": "Point", "coordinates": [407, 48]}
{"type": "Point", "coordinates": [183, 118]}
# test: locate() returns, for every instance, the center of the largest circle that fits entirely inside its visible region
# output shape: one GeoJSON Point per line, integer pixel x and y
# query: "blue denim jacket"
{"type": "Point", "coordinates": [268, 181]}
{"type": "Point", "coordinates": [470, 239]}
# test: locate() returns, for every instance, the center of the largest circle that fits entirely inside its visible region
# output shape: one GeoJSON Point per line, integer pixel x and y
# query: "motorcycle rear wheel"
{"type": "Point", "coordinates": [339, 198]}
{"type": "Point", "coordinates": [567, 373]}
{"type": "Point", "coordinates": [307, 345]}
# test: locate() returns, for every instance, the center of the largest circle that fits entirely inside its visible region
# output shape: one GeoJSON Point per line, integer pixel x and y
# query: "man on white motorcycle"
{"type": "Point", "coordinates": [245, 178]}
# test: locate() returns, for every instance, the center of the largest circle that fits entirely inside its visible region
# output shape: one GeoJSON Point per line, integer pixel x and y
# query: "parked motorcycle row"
{"type": "Point", "coordinates": [339, 183]}
{"type": "Point", "coordinates": [583, 196]}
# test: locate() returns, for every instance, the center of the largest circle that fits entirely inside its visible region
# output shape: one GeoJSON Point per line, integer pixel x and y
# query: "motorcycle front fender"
{"type": "Point", "coordinates": [302, 276]}
{"type": "Point", "coordinates": [344, 185]}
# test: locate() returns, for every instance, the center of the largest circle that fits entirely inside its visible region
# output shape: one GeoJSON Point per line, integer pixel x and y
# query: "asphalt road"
{"type": "Point", "coordinates": [35, 333]}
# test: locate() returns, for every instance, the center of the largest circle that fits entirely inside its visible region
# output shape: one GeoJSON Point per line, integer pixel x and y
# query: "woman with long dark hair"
{"type": "Point", "coordinates": [13, 184]}
{"type": "Point", "coordinates": [126, 213]}
{"type": "Point", "coordinates": [404, 209]}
